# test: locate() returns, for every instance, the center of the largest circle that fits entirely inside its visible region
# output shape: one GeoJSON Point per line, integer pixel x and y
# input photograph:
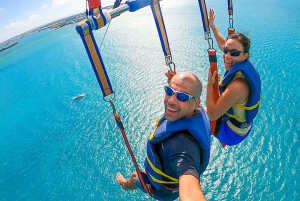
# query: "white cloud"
{"type": "Point", "coordinates": [56, 3]}
{"type": "Point", "coordinates": [13, 25]}
{"type": "Point", "coordinates": [19, 24]}
{"type": "Point", "coordinates": [33, 17]}
{"type": "Point", "coordinates": [44, 6]}
{"type": "Point", "coordinates": [1, 9]}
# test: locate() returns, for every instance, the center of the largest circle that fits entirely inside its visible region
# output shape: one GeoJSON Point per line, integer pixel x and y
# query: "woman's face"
{"type": "Point", "coordinates": [232, 53]}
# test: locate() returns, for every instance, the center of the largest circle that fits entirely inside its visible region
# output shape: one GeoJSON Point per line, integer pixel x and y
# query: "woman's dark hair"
{"type": "Point", "coordinates": [244, 40]}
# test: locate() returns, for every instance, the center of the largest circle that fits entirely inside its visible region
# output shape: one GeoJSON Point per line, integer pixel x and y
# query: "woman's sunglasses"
{"type": "Point", "coordinates": [233, 53]}
{"type": "Point", "coordinates": [180, 95]}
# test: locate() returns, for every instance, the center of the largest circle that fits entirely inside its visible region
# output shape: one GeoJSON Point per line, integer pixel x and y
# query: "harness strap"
{"type": "Point", "coordinates": [231, 30]}
{"type": "Point", "coordinates": [96, 15]}
{"type": "Point", "coordinates": [217, 129]}
{"type": "Point", "coordinates": [212, 55]}
{"type": "Point", "coordinates": [203, 12]}
{"type": "Point", "coordinates": [121, 127]}
{"type": "Point", "coordinates": [159, 21]}
{"type": "Point", "coordinates": [85, 32]}
{"type": "Point", "coordinates": [213, 67]}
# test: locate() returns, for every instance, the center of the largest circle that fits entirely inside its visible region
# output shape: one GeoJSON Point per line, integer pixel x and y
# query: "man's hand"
{"type": "Point", "coordinates": [170, 75]}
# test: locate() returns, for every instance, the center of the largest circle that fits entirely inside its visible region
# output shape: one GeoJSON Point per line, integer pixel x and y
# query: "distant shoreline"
{"type": "Point", "coordinates": [10, 46]}
{"type": "Point", "coordinates": [53, 25]}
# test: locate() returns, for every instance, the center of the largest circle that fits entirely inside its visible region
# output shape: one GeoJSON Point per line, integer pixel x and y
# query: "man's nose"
{"type": "Point", "coordinates": [173, 97]}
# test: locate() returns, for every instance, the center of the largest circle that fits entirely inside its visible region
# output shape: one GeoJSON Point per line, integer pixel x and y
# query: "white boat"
{"type": "Point", "coordinates": [79, 96]}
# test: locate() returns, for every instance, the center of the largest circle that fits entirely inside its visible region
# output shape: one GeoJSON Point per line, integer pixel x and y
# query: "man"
{"type": "Point", "coordinates": [178, 150]}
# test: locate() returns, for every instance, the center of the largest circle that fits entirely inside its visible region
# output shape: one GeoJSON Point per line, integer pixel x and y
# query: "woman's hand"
{"type": "Point", "coordinates": [170, 75]}
{"type": "Point", "coordinates": [211, 17]}
{"type": "Point", "coordinates": [211, 78]}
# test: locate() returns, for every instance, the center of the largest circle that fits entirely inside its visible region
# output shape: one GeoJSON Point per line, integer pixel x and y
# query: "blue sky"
{"type": "Point", "coordinates": [17, 17]}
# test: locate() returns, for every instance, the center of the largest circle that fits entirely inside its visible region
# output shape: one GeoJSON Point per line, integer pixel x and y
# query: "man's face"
{"type": "Point", "coordinates": [175, 109]}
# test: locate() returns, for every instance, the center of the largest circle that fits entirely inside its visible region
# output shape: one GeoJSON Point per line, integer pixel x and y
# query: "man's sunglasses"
{"type": "Point", "coordinates": [180, 95]}
{"type": "Point", "coordinates": [233, 53]}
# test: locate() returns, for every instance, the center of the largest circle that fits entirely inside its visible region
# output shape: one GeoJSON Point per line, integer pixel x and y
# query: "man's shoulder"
{"type": "Point", "coordinates": [183, 138]}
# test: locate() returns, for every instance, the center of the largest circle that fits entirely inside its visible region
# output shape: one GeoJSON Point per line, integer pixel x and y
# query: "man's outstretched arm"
{"type": "Point", "coordinates": [190, 189]}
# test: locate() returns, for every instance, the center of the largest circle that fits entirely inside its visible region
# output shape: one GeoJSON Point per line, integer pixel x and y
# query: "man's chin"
{"type": "Point", "coordinates": [170, 118]}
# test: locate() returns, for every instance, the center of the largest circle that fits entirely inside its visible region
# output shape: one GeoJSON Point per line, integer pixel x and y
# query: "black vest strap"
{"type": "Point", "coordinates": [217, 129]}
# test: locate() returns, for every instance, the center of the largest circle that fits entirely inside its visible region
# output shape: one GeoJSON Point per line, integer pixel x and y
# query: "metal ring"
{"type": "Point", "coordinates": [111, 103]}
{"type": "Point", "coordinates": [168, 59]}
{"type": "Point", "coordinates": [230, 22]}
{"type": "Point", "coordinates": [111, 99]}
{"type": "Point", "coordinates": [210, 43]}
{"type": "Point", "coordinates": [207, 35]}
{"type": "Point", "coordinates": [172, 64]}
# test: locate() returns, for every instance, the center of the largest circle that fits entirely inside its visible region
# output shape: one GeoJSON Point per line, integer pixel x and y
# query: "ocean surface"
{"type": "Point", "coordinates": [55, 148]}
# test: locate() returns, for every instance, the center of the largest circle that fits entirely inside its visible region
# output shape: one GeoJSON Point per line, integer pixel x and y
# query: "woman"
{"type": "Point", "coordinates": [239, 88]}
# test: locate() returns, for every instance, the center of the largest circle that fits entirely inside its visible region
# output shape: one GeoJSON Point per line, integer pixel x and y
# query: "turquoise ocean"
{"type": "Point", "coordinates": [55, 148]}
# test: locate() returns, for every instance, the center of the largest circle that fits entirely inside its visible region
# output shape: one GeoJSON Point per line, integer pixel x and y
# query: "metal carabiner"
{"type": "Point", "coordinates": [172, 67]}
{"type": "Point", "coordinates": [111, 102]}
{"type": "Point", "coordinates": [210, 43]}
{"type": "Point", "coordinates": [207, 35]}
{"type": "Point", "coordinates": [170, 63]}
{"type": "Point", "coordinates": [168, 59]}
{"type": "Point", "coordinates": [230, 21]}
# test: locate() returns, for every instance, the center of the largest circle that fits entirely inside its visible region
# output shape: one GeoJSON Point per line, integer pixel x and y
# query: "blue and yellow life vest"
{"type": "Point", "coordinates": [251, 108]}
{"type": "Point", "coordinates": [198, 126]}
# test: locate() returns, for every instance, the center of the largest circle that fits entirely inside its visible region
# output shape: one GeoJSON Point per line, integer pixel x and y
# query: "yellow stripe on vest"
{"type": "Point", "coordinates": [158, 171]}
{"type": "Point", "coordinates": [161, 181]}
{"type": "Point", "coordinates": [248, 108]}
{"type": "Point", "coordinates": [245, 108]}
{"type": "Point", "coordinates": [236, 117]}
{"type": "Point", "coordinates": [156, 125]}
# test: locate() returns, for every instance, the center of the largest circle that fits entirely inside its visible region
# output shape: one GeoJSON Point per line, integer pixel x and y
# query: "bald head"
{"type": "Point", "coordinates": [189, 81]}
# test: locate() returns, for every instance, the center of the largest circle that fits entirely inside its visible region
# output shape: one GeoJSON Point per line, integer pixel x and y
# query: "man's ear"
{"type": "Point", "coordinates": [197, 103]}
{"type": "Point", "coordinates": [246, 55]}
